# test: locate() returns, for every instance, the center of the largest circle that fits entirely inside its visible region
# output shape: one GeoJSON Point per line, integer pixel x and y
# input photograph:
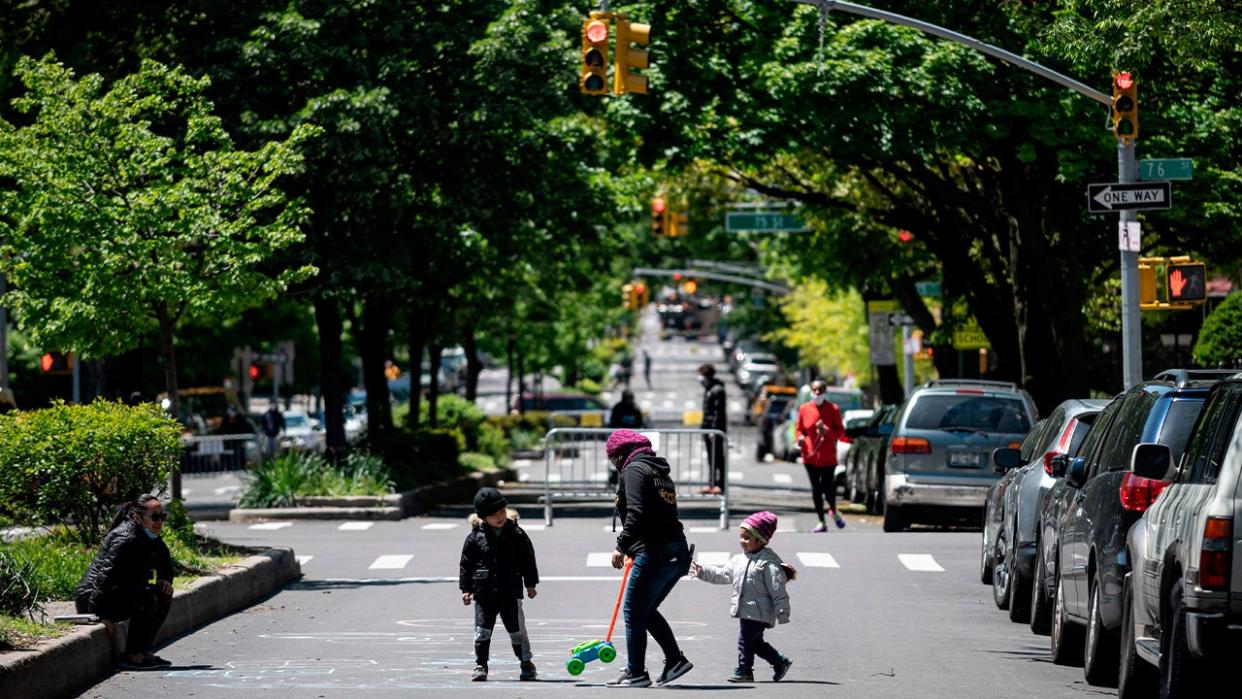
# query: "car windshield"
{"type": "Point", "coordinates": [968, 412]}
{"type": "Point", "coordinates": [1178, 423]}
{"type": "Point", "coordinates": [295, 421]}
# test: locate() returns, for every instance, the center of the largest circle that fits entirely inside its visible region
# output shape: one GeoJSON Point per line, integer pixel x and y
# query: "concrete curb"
{"type": "Point", "coordinates": [65, 666]}
{"type": "Point", "coordinates": [388, 507]}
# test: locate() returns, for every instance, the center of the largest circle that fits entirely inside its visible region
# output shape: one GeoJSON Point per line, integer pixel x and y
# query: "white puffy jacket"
{"type": "Point", "coordinates": [758, 586]}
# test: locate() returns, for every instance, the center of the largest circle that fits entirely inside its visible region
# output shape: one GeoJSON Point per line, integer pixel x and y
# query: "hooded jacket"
{"type": "Point", "coordinates": [497, 564]}
{"type": "Point", "coordinates": [758, 586]}
{"type": "Point", "coordinates": [714, 417]}
{"type": "Point", "coordinates": [819, 448]}
{"type": "Point", "coordinates": [122, 567]}
{"type": "Point", "coordinates": [647, 501]}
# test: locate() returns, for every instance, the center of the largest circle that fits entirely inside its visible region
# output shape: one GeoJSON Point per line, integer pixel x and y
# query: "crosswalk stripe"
{"type": "Point", "coordinates": [303, 560]}
{"type": "Point", "coordinates": [817, 559]}
{"type": "Point", "coordinates": [391, 562]}
{"type": "Point", "coordinates": [599, 560]}
{"type": "Point", "coordinates": [269, 526]}
{"type": "Point", "coordinates": [922, 562]}
{"type": "Point", "coordinates": [713, 558]}
{"type": "Point", "coordinates": [782, 478]}
{"type": "Point", "coordinates": [523, 477]}
{"type": "Point", "coordinates": [355, 526]}
{"type": "Point", "coordinates": [534, 527]}
{"type": "Point", "coordinates": [736, 475]}
{"type": "Point", "coordinates": [440, 525]}
{"type": "Point", "coordinates": [704, 530]}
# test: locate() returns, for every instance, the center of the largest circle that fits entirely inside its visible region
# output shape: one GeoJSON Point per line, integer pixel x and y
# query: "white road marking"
{"type": "Point", "coordinates": [268, 526]}
{"type": "Point", "coordinates": [534, 527]}
{"type": "Point", "coordinates": [782, 478]}
{"type": "Point", "coordinates": [599, 476]}
{"type": "Point", "coordinates": [693, 475]}
{"type": "Point", "coordinates": [671, 394]}
{"type": "Point", "coordinates": [599, 560]}
{"type": "Point", "coordinates": [446, 579]}
{"type": "Point", "coordinates": [922, 562]}
{"type": "Point", "coordinates": [391, 562]}
{"type": "Point", "coordinates": [223, 490]}
{"type": "Point", "coordinates": [817, 560]}
{"type": "Point", "coordinates": [704, 530]}
{"type": "Point", "coordinates": [688, 405]}
{"type": "Point", "coordinates": [185, 492]}
{"type": "Point", "coordinates": [667, 404]}
{"type": "Point", "coordinates": [521, 463]}
{"type": "Point", "coordinates": [355, 526]}
{"type": "Point", "coordinates": [303, 560]}
{"type": "Point", "coordinates": [440, 526]}
{"type": "Point", "coordinates": [713, 558]}
{"type": "Point", "coordinates": [523, 477]}
{"type": "Point", "coordinates": [554, 478]}
{"type": "Point", "coordinates": [736, 475]}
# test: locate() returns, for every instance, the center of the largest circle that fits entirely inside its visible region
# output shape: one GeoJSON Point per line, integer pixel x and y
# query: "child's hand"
{"type": "Point", "coordinates": [531, 592]}
{"type": "Point", "coordinates": [465, 598]}
{"type": "Point", "coordinates": [695, 569]}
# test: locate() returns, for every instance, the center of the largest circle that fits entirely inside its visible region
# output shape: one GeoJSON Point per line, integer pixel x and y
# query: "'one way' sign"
{"type": "Point", "coordinates": [1114, 196]}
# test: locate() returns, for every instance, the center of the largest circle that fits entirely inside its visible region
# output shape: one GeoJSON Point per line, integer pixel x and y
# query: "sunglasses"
{"type": "Point", "coordinates": [158, 516]}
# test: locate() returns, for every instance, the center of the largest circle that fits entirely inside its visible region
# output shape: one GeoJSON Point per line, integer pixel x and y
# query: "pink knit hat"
{"type": "Point", "coordinates": [761, 525]}
{"type": "Point", "coordinates": [625, 441]}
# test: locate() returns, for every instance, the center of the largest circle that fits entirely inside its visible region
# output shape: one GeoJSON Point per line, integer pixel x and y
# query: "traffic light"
{"type": "Point", "coordinates": [593, 79]}
{"type": "Point", "coordinates": [1125, 107]}
{"type": "Point", "coordinates": [690, 286]}
{"type": "Point", "coordinates": [1187, 282]}
{"type": "Point", "coordinates": [56, 363]}
{"type": "Point", "coordinates": [659, 217]}
{"type": "Point", "coordinates": [678, 224]}
{"type": "Point", "coordinates": [254, 371]}
{"type": "Point", "coordinates": [627, 296]}
{"type": "Point", "coordinates": [638, 296]}
{"type": "Point", "coordinates": [1147, 285]}
{"type": "Point", "coordinates": [630, 58]}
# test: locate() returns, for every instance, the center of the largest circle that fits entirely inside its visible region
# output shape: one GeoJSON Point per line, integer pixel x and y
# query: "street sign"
{"type": "Point", "coordinates": [880, 333]}
{"type": "Point", "coordinates": [1129, 236]}
{"type": "Point", "coordinates": [929, 288]}
{"type": "Point", "coordinates": [970, 336]}
{"type": "Point", "coordinates": [1166, 169]}
{"type": "Point", "coordinates": [1108, 197]}
{"type": "Point", "coordinates": [745, 222]}
{"type": "Point", "coordinates": [899, 319]}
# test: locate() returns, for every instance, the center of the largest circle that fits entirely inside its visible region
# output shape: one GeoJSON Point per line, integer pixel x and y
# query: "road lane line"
{"type": "Point", "coordinates": [303, 560]}
{"type": "Point", "coordinates": [355, 526]}
{"type": "Point", "coordinates": [440, 526]}
{"type": "Point", "coordinates": [736, 475]}
{"type": "Point", "coordinates": [782, 478]}
{"type": "Point", "coordinates": [922, 562]}
{"type": "Point", "coordinates": [817, 560]}
{"type": "Point", "coordinates": [391, 562]}
{"type": "Point", "coordinates": [534, 527]}
{"type": "Point", "coordinates": [599, 560]}
{"type": "Point", "coordinates": [269, 526]}
{"type": "Point", "coordinates": [454, 579]}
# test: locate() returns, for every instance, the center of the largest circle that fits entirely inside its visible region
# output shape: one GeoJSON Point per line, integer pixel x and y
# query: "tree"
{"type": "Point", "coordinates": [130, 208]}
{"type": "Point", "coordinates": [829, 330]}
{"type": "Point", "coordinates": [1220, 341]}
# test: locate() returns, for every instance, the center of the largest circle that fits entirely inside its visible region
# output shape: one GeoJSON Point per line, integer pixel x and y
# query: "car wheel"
{"type": "Point", "coordinates": [1066, 636]}
{"type": "Point", "coordinates": [1177, 667]}
{"type": "Point", "coordinates": [1001, 571]}
{"type": "Point", "coordinates": [1019, 584]}
{"type": "Point", "coordinates": [870, 502]}
{"type": "Point", "coordinates": [893, 521]}
{"type": "Point", "coordinates": [1136, 678]}
{"type": "Point", "coordinates": [1041, 609]}
{"type": "Point", "coordinates": [1100, 657]}
{"type": "Point", "coordinates": [985, 559]}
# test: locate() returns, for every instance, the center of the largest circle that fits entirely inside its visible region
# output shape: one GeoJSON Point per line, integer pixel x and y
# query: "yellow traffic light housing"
{"type": "Point", "coordinates": [593, 78]}
{"type": "Point", "coordinates": [659, 217]}
{"type": "Point", "coordinates": [629, 58]}
{"type": "Point", "coordinates": [678, 224]}
{"type": "Point", "coordinates": [627, 296]}
{"type": "Point", "coordinates": [1125, 107]}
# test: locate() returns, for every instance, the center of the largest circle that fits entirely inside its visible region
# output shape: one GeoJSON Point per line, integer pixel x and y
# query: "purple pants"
{"type": "Point", "coordinates": [750, 643]}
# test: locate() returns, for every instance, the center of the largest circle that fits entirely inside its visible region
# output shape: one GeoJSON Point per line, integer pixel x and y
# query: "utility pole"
{"type": "Point", "coordinates": [1127, 166]}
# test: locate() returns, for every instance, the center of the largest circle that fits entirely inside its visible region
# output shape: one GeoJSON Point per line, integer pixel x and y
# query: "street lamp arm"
{"type": "Point", "coordinates": [968, 41]}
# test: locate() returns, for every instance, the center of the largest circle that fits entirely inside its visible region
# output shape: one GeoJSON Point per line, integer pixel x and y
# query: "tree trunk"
{"type": "Point", "coordinates": [167, 326]}
{"type": "Point", "coordinates": [509, 359]}
{"type": "Point", "coordinates": [417, 341]}
{"type": "Point", "coordinates": [373, 349]}
{"type": "Point", "coordinates": [435, 354]}
{"type": "Point", "coordinates": [331, 375]}
{"type": "Point", "coordinates": [474, 367]}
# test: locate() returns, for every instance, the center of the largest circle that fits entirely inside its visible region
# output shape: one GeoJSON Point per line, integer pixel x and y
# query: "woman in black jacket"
{"type": "Point", "coordinates": [117, 585]}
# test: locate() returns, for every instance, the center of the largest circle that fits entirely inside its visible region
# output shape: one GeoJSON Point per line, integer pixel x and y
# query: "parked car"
{"type": "Point", "coordinates": [784, 440]}
{"type": "Point", "coordinates": [1182, 599]}
{"type": "Point", "coordinates": [764, 394]}
{"type": "Point", "coordinates": [856, 418]}
{"type": "Point", "coordinates": [942, 445]}
{"type": "Point", "coordinates": [1011, 525]}
{"type": "Point", "coordinates": [1090, 566]}
{"type": "Point", "coordinates": [774, 411]}
{"type": "Point", "coordinates": [302, 432]}
{"type": "Point", "coordinates": [558, 402]}
{"type": "Point", "coordinates": [743, 350]}
{"type": "Point", "coordinates": [757, 369]}
{"type": "Point", "coordinates": [865, 460]}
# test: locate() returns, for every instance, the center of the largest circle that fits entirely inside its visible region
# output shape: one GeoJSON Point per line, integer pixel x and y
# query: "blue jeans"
{"type": "Point", "coordinates": [656, 571]}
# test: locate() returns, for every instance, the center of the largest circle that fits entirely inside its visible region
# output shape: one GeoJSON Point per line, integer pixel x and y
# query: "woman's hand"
{"type": "Point", "coordinates": [695, 569]}
{"type": "Point", "coordinates": [531, 592]}
{"type": "Point", "coordinates": [618, 559]}
{"type": "Point", "coordinates": [465, 598]}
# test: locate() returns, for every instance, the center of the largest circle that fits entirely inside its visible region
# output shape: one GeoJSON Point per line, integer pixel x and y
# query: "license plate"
{"type": "Point", "coordinates": [963, 458]}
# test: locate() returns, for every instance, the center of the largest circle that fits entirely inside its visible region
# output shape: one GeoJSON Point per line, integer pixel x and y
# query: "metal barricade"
{"type": "Point", "coordinates": [577, 468]}
{"type": "Point", "coordinates": [219, 453]}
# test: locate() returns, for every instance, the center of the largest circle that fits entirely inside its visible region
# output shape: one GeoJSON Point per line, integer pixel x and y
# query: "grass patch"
{"type": "Point", "coordinates": [279, 482]}
{"type": "Point", "coordinates": [17, 633]}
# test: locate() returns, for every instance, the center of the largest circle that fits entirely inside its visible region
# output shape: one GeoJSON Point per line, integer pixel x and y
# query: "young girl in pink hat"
{"type": "Point", "coordinates": [759, 600]}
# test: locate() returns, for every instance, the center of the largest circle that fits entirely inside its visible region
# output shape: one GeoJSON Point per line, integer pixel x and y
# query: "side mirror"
{"type": "Point", "coordinates": [1006, 458]}
{"type": "Point", "coordinates": [1076, 473]}
{"type": "Point", "coordinates": [1152, 461]}
{"type": "Point", "coordinates": [885, 430]}
{"type": "Point", "coordinates": [1060, 462]}
{"type": "Point", "coordinates": [855, 432]}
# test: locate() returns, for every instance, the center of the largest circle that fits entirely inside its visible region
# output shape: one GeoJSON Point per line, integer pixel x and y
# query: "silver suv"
{"type": "Point", "coordinates": [939, 460]}
{"type": "Point", "coordinates": [1182, 599]}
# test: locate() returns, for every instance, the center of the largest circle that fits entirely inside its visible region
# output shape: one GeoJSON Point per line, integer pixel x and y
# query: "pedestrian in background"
{"type": "Point", "coordinates": [497, 561]}
{"type": "Point", "coordinates": [626, 413]}
{"type": "Point", "coordinates": [653, 537]}
{"type": "Point", "coordinates": [819, 427]}
{"type": "Point", "coordinates": [714, 418]}
{"type": "Point", "coordinates": [647, 367]}
{"type": "Point", "coordinates": [759, 601]}
{"type": "Point", "coordinates": [117, 584]}
{"type": "Point", "coordinates": [273, 423]}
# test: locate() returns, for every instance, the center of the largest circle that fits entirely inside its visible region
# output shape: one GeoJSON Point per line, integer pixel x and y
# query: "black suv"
{"type": "Point", "coordinates": [1107, 500]}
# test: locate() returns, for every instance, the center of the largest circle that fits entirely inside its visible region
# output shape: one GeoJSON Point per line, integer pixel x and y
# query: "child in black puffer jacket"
{"type": "Point", "coordinates": [497, 561]}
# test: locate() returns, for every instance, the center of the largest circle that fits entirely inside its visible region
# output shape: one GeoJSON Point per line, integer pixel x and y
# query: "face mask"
{"type": "Point", "coordinates": [150, 534]}
{"type": "Point", "coordinates": [819, 400]}
{"type": "Point", "coordinates": [703, 380]}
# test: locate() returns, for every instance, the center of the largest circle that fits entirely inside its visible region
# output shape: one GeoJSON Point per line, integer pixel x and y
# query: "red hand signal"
{"type": "Point", "coordinates": [1177, 283]}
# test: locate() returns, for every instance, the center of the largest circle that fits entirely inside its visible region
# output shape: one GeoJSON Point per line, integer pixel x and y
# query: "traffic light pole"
{"type": "Point", "coordinates": [1127, 166]}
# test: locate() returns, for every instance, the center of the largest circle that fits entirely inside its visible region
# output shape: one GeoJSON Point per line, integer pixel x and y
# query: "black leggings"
{"type": "Point", "coordinates": [145, 610]}
{"type": "Point", "coordinates": [822, 486]}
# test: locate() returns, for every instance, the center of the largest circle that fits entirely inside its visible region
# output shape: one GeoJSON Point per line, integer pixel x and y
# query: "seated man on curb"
{"type": "Point", "coordinates": [117, 585]}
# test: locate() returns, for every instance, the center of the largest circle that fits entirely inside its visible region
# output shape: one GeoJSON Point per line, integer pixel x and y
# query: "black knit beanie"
{"type": "Point", "coordinates": [488, 501]}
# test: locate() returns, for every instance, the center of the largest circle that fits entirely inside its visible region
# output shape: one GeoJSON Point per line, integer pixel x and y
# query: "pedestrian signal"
{"type": "Point", "coordinates": [630, 58]}
{"type": "Point", "coordinates": [56, 363]}
{"type": "Point", "coordinates": [1187, 282]}
{"type": "Point", "coordinates": [1125, 107]}
{"type": "Point", "coordinates": [593, 79]}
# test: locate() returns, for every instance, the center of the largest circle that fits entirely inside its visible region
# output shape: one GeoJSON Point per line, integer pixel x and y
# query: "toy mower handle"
{"type": "Point", "coordinates": [625, 577]}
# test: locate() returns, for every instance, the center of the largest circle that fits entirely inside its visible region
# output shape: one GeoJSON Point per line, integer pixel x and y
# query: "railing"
{"type": "Point", "coordinates": [219, 453]}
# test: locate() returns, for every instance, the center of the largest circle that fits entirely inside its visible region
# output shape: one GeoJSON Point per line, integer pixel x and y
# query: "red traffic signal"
{"type": "Point", "coordinates": [254, 371]}
{"type": "Point", "coordinates": [56, 363]}
{"type": "Point", "coordinates": [659, 221]}
{"type": "Point", "coordinates": [1187, 282]}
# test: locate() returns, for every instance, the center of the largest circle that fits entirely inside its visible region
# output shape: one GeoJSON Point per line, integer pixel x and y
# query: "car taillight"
{"type": "Point", "coordinates": [1216, 554]}
{"type": "Point", "coordinates": [1138, 493]}
{"type": "Point", "coordinates": [910, 445]}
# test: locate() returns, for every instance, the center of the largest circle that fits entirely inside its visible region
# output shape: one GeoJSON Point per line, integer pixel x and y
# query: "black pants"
{"type": "Point", "coordinates": [510, 611]}
{"type": "Point", "coordinates": [750, 643]}
{"type": "Point", "coordinates": [145, 611]}
{"type": "Point", "coordinates": [715, 460]}
{"type": "Point", "coordinates": [823, 486]}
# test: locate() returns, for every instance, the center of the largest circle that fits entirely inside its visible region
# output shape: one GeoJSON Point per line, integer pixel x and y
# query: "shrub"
{"type": "Point", "coordinates": [279, 482]}
{"type": "Point", "coordinates": [19, 587]}
{"type": "Point", "coordinates": [1220, 341]}
{"type": "Point", "coordinates": [77, 463]}
{"type": "Point", "coordinates": [589, 387]}
{"type": "Point", "coordinates": [474, 461]}
{"type": "Point", "coordinates": [526, 440]}
{"type": "Point", "coordinates": [492, 442]}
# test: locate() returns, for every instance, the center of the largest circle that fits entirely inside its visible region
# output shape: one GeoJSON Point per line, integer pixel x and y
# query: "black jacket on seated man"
{"type": "Point", "coordinates": [121, 571]}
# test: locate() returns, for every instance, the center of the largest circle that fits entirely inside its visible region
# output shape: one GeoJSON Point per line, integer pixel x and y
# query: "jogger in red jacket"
{"type": "Point", "coordinates": [818, 429]}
